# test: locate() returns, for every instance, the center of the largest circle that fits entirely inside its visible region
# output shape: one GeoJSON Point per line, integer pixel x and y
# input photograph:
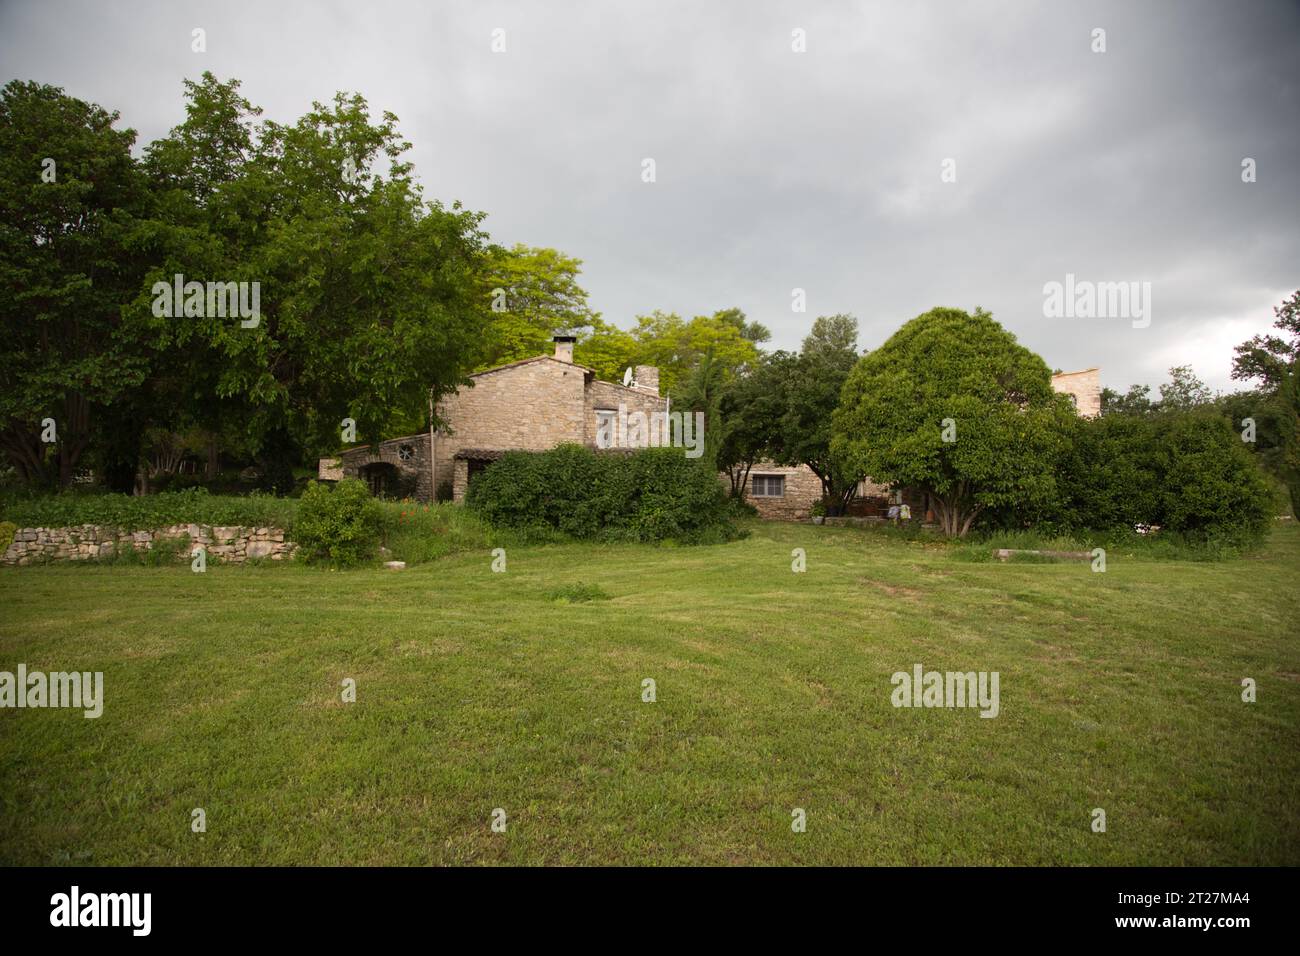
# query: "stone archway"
{"type": "Point", "coordinates": [382, 478]}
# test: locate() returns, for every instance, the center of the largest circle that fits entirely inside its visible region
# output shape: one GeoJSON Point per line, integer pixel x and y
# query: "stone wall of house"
{"type": "Point", "coordinates": [233, 544]}
{"type": "Point", "coordinates": [607, 395]}
{"type": "Point", "coordinates": [802, 489]}
{"type": "Point", "coordinates": [460, 479]}
{"type": "Point", "coordinates": [533, 406]}
{"type": "Point", "coordinates": [1084, 386]}
{"type": "Point", "coordinates": [415, 467]}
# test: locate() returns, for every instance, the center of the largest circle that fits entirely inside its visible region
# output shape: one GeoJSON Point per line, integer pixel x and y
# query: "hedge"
{"type": "Point", "coordinates": [1189, 473]}
{"type": "Point", "coordinates": [652, 494]}
{"type": "Point", "coordinates": [146, 512]}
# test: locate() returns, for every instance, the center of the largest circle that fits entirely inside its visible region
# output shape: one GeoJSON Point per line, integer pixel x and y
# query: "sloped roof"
{"type": "Point", "coordinates": [529, 361]}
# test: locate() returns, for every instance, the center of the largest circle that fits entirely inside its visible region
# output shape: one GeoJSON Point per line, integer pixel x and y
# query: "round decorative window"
{"type": "Point", "coordinates": [406, 453]}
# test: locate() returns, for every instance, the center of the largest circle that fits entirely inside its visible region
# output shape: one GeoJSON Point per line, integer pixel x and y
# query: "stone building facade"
{"type": "Point", "coordinates": [530, 405]}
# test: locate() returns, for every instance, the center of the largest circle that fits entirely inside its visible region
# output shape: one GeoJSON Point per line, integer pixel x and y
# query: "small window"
{"type": "Point", "coordinates": [406, 453]}
{"type": "Point", "coordinates": [767, 486]}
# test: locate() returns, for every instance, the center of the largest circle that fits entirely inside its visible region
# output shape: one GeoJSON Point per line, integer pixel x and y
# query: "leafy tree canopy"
{"type": "Point", "coordinates": [70, 201]}
{"type": "Point", "coordinates": [948, 373]}
{"type": "Point", "coordinates": [540, 295]}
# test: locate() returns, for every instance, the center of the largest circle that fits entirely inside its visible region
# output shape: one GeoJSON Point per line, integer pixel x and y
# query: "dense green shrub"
{"type": "Point", "coordinates": [7, 529]}
{"type": "Point", "coordinates": [338, 526]}
{"type": "Point", "coordinates": [1211, 487]}
{"type": "Point", "coordinates": [1187, 473]}
{"type": "Point", "coordinates": [1110, 474]}
{"type": "Point", "coordinates": [145, 512]}
{"type": "Point", "coordinates": [651, 494]}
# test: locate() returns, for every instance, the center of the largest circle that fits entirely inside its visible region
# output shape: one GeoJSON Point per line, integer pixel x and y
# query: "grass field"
{"type": "Point", "coordinates": [523, 690]}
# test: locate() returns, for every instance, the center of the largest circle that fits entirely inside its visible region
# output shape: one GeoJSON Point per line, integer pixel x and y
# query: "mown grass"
{"type": "Point", "coordinates": [478, 690]}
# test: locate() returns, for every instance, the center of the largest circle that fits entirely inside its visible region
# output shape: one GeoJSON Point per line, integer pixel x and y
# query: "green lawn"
{"type": "Point", "coordinates": [479, 690]}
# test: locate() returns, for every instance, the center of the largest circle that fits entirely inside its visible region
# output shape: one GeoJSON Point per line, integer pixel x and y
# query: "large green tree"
{"type": "Point", "coordinates": [812, 393]}
{"type": "Point", "coordinates": [752, 411]}
{"type": "Point", "coordinates": [1271, 362]}
{"type": "Point", "coordinates": [206, 223]}
{"type": "Point", "coordinates": [371, 298]}
{"type": "Point", "coordinates": [533, 293]}
{"type": "Point", "coordinates": [953, 405]}
{"type": "Point", "coordinates": [676, 346]}
{"type": "Point", "coordinates": [70, 196]}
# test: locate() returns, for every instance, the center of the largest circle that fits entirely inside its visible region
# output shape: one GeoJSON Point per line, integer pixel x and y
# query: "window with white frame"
{"type": "Point", "coordinates": [767, 486]}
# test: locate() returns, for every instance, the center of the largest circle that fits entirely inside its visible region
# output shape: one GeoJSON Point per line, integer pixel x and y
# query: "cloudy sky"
{"type": "Point", "coordinates": [775, 169]}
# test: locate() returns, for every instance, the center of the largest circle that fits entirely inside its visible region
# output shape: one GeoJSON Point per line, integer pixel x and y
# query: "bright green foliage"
{"type": "Point", "coordinates": [812, 393]}
{"type": "Point", "coordinates": [647, 495]}
{"type": "Point", "coordinates": [1004, 417]}
{"type": "Point", "coordinates": [541, 295]}
{"type": "Point", "coordinates": [7, 530]}
{"type": "Point", "coordinates": [606, 349]}
{"type": "Point", "coordinates": [675, 346]}
{"type": "Point", "coordinates": [338, 526]}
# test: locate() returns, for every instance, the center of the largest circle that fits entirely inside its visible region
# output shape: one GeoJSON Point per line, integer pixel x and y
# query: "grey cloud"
{"type": "Point", "coordinates": [818, 170]}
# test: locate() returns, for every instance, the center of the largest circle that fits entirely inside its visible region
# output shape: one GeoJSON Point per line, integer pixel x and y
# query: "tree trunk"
{"type": "Point", "coordinates": [956, 512]}
{"type": "Point", "coordinates": [26, 452]}
{"type": "Point", "coordinates": [73, 436]}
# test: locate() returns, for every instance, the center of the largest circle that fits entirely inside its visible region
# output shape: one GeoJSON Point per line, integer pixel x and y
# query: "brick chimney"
{"type": "Point", "coordinates": [647, 377]}
{"type": "Point", "coordinates": [564, 347]}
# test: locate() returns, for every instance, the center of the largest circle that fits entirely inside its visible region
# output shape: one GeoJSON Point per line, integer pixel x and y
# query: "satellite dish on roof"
{"type": "Point", "coordinates": [627, 378]}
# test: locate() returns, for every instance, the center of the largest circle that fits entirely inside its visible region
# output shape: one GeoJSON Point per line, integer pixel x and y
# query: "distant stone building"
{"type": "Point", "coordinates": [1084, 387]}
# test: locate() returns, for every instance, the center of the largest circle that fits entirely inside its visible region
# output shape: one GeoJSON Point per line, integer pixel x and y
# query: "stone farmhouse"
{"type": "Point", "coordinates": [538, 403]}
{"type": "Point", "coordinates": [530, 405]}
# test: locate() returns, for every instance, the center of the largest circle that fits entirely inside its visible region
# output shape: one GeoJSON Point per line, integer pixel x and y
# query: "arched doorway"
{"type": "Point", "coordinates": [382, 478]}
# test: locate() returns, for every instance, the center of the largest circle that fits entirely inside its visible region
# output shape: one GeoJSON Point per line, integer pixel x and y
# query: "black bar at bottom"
{"type": "Point", "coordinates": [338, 905]}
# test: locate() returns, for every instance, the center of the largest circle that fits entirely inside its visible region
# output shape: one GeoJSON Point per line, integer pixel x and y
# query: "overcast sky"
{"type": "Point", "coordinates": [779, 170]}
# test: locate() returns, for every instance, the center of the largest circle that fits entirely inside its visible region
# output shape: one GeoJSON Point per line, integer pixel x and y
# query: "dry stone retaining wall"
{"type": "Point", "coordinates": [87, 542]}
